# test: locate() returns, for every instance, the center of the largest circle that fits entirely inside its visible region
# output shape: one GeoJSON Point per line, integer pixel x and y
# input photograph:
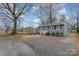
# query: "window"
{"type": "Point", "coordinates": [54, 27]}
{"type": "Point", "coordinates": [42, 28]}
{"type": "Point", "coordinates": [48, 27]}
{"type": "Point", "coordinates": [61, 26]}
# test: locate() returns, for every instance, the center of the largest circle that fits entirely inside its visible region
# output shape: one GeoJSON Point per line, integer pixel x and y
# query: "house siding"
{"type": "Point", "coordinates": [60, 27]}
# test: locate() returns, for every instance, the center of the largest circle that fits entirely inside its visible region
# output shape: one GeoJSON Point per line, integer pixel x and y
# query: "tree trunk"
{"type": "Point", "coordinates": [50, 15]}
{"type": "Point", "coordinates": [77, 25]}
{"type": "Point", "coordinates": [15, 27]}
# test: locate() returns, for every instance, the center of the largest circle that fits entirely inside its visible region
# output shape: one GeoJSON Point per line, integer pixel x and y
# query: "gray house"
{"type": "Point", "coordinates": [57, 27]}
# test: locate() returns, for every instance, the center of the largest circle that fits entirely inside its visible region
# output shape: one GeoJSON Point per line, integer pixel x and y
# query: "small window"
{"type": "Point", "coordinates": [61, 26]}
{"type": "Point", "coordinates": [54, 27]}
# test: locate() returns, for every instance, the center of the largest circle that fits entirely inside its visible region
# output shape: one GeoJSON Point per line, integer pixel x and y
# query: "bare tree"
{"type": "Point", "coordinates": [47, 12]}
{"type": "Point", "coordinates": [13, 11]}
{"type": "Point", "coordinates": [7, 24]}
{"type": "Point", "coordinates": [20, 23]}
{"type": "Point", "coordinates": [62, 17]}
{"type": "Point", "coordinates": [75, 15]}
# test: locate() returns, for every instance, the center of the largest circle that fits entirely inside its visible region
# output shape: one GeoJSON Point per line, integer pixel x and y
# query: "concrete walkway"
{"type": "Point", "coordinates": [16, 49]}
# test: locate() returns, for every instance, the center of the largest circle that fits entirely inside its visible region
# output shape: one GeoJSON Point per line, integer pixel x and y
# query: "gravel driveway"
{"type": "Point", "coordinates": [39, 45]}
{"type": "Point", "coordinates": [53, 46]}
{"type": "Point", "coordinates": [16, 49]}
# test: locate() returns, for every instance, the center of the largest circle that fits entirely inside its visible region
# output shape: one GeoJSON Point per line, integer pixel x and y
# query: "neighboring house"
{"type": "Point", "coordinates": [60, 27]}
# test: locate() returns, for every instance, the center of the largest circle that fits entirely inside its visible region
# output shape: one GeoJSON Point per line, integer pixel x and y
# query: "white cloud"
{"type": "Point", "coordinates": [37, 20]}
{"type": "Point", "coordinates": [34, 8]}
{"type": "Point", "coordinates": [67, 18]}
{"type": "Point", "coordinates": [29, 23]}
{"type": "Point", "coordinates": [63, 11]}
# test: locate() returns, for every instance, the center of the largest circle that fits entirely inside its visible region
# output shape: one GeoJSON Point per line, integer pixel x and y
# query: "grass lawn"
{"type": "Point", "coordinates": [74, 35]}
{"type": "Point", "coordinates": [21, 37]}
{"type": "Point", "coordinates": [17, 37]}
{"type": "Point", "coordinates": [24, 36]}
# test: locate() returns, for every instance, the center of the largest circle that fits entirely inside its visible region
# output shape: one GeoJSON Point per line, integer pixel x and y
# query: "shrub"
{"type": "Point", "coordinates": [78, 30]}
{"type": "Point", "coordinates": [47, 33]}
{"type": "Point", "coordinates": [57, 33]}
{"type": "Point", "coordinates": [61, 34]}
{"type": "Point", "coordinates": [53, 33]}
